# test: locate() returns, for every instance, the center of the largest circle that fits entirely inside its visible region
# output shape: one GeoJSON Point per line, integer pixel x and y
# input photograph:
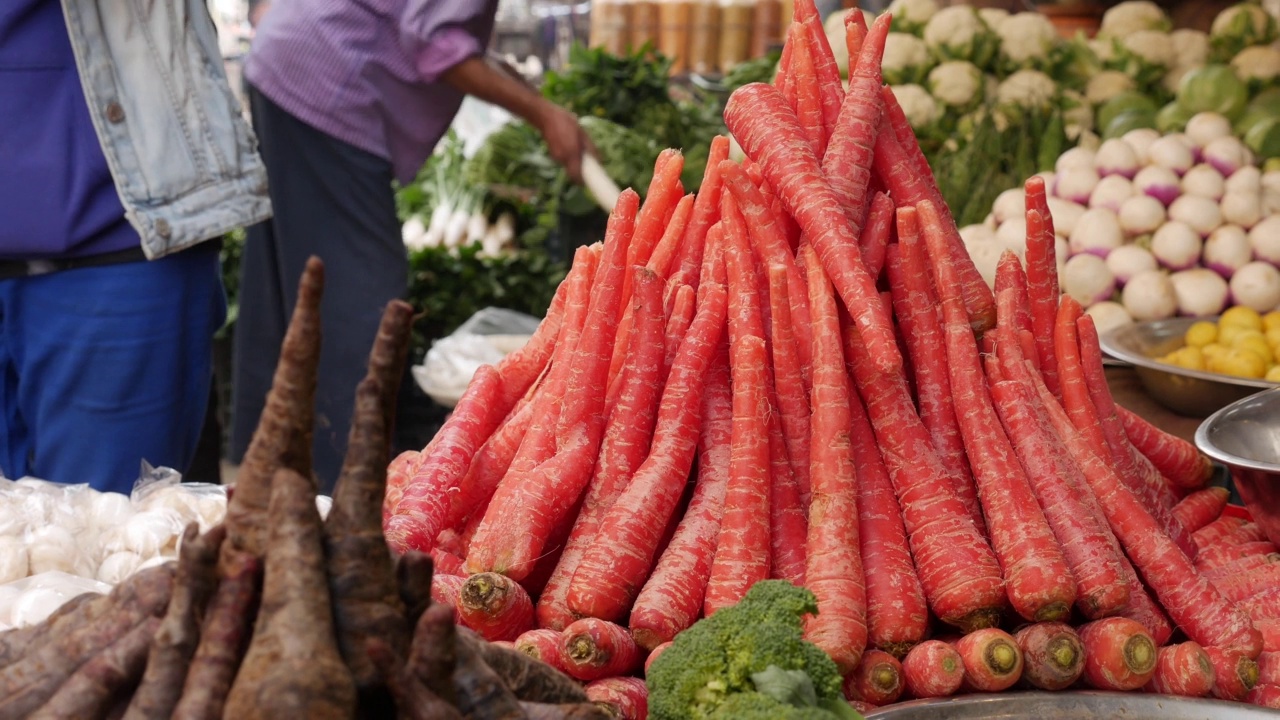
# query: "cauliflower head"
{"type": "Point", "coordinates": [1258, 65]}
{"type": "Point", "coordinates": [1106, 85]}
{"type": "Point", "coordinates": [993, 17]}
{"type": "Point", "coordinates": [1026, 89]}
{"type": "Point", "coordinates": [906, 59]}
{"type": "Point", "coordinates": [957, 84]}
{"type": "Point", "coordinates": [1238, 27]}
{"type": "Point", "coordinates": [918, 105]}
{"type": "Point", "coordinates": [910, 16]}
{"type": "Point", "coordinates": [1131, 16]}
{"type": "Point", "coordinates": [1190, 47]}
{"type": "Point", "coordinates": [1077, 114]}
{"type": "Point", "coordinates": [1027, 40]}
{"type": "Point", "coordinates": [957, 33]}
{"type": "Point", "coordinates": [1145, 56]}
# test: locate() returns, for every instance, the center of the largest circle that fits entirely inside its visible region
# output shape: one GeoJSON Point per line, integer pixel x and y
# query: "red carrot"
{"type": "Point", "coordinates": [445, 590]}
{"type": "Point", "coordinates": [1042, 278]}
{"type": "Point", "coordinates": [1269, 668]}
{"type": "Point", "coordinates": [399, 470]}
{"type": "Point", "coordinates": [992, 660]}
{"type": "Point", "coordinates": [919, 317]}
{"type": "Point", "coordinates": [826, 72]}
{"type": "Point", "coordinates": [621, 555]}
{"type": "Point", "coordinates": [957, 569]}
{"type": "Point", "coordinates": [446, 562]}
{"type": "Point", "coordinates": [742, 552]}
{"type": "Point", "coordinates": [654, 654]}
{"type": "Point", "coordinates": [1246, 584]}
{"type": "Point", "coordinates": [1262, 606]}
{"type": "Point", "coordinates": [1270, 630]}
{"type": "Point", "coordinates": [1264, 696]}
{"type": "Point", "coordinates": [1190, 600]}
{"type": "Point", "coordinates": [651, 219]}
{"type": "Point", "coordinates": [706, 211]}
{"type": "Point", "coordinates": [671, 600]}
{"type": "Point", "coordinates": [877, 679]}
{"type": "Point", "coordinates": [664, 255]}
{"type": "Point", "coordinates": [1215, 531]}
{"type": "Point", "coordinates": [834, 561]}
{"type": "Point", "coordinates": [1200, 507]}
{"type": "Point", "coordinates": [932, 669]}
{"type": "Point", "coordinates": [1052, 653]}
{"type": "Point", "coordinates": [1119, 654]}
{"type": "Point", "coordinates": [1234, 673]}
{"type": "Point", "coordinates": [495, 606]}
{"type": "Point", "coordinates": [793, 403]}
{"type": "Point", "coordinates": [1038, 581]}
{"type": "Point", "coordinates": [527, 506]}
{"type": "Point", "coordinates": [770, 135]}
{"type": "Point", "coordinates": [1175, 458]}
{"type": "Point", "coordinates": [626, 442]}
{"type": "Point", "coordinates": [788, 524]}
{"type": "Point", "coordinates": [848, 161]}
{"type": "Point", "coordinates": [874, 241]}
{"type": "Point", "coordinates": [595, 649]}
{"type": "Point", "coordinates": [1093, 556]}
{"type": "Point", "coordinates": [543, 644]}
{"type": "Point", "coordinates": [1220, 555]}
{"type": "Point", "coordinates": [425, 502]}
{"type": "Point", "coordinates": [490, 463]}
{"type": "Point", "coordinates": [897, 617]}
{"type": "Point", "coordinates": [896, 120]}
{"type": "Point", "coordinates": [1249, 532]}
{"type": "Point", "coordinates": [1010, 276]}
{"type": "Point", "coordinates": [625, 698]}
{"type": "Point", "coordinates": [1183, 669]}
{"type": "Point", "coordinates": [521, 369]}
{"type": "Point", "coordinates": [946, 248]}
{"type": "Point", "coordinates": [808, 97]}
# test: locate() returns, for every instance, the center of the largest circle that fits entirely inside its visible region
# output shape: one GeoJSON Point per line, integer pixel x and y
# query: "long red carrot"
{"type": "Point", "coordinates": [664, 255]}
{"type": "Point", "coordinates": [899, 125]}
{"type": "Point", "coordinates": [1200, 507]}
{"type": "Point", "coordinates": [521, 369]}
{"type": "Point", "coordinates": [897, 616]}
{"type": "Point", "coordinates": [992, 660]}
{"type": "Point", "coordinates": [793, 402]}
{"type": "Point", "coordinates": [957, 569]}
{"type": "Point", "coordinates": [919, 317]}
{"type": "Point", "coordinates": [1245, 584]}
{"type": "Point", "coordinates": [877, 679]}
{"type": "Point", "coordinates": [671, 599]}
{"type": "Point", "coordinates": [944, 243]}
{"type": "Point", "coordinates": [808, 96]}
{"type": "Point", "coordinates": [399, 470]}
{"type": "Point", "coordinates": [1234, 673]}
{"type": "Point", "coordinates": [618, 560]}
{"type": "Point", "coordinates": [1249, 532]}
{"type": "Point", "coordinates": [1269, 668]}
{"type": "Point", "coordinates": [495, 606]}
{"type": "Point", "coordinates": [770, 135]}
{"type": "Point", "coordinates": [1042, 277]}
{"type": "Point", "coordinates": [1263, 606]}
{"type": "Point", "coordinates": [1267, 696]}
{"type": "Point", "coordinates": [1212, 533]}
{"type": "Point", "coordinates": [742, 552]}
{"type": "Point", "coordinates": [1175, 458]}
{"type": "Point", "coordinates": [932, 669]}
{"type": "Point", "coordinates": [1119, 654]}
{"type": "Point", "coordinates": [827, 73]}
{"type": "Point", "coordinates": [788, 521]}
{"type": "Point", "coordinates": [1183, 669]}
{"type": "Point", "coordinates": [489, 465]}
{"type": "Point", "coordinates": [848, 161]}
{"type": "Point", "coordinates": [1218, 555]}
{"type": "Point", "coordinates": [876, 234]}
{"type": "Point", "coordinates": [625, 444]}
{"type": "Point", "coordinates": [678, 322]}
{"type": "Point", "coordinates": [1038, 581]}
{"type": "Point", "coordinates": [833, 570]}
{"type": "Point", "coordinates": [595, 649]}
{"type": "Point", "coordinates": [1190, 600]}
{"type": "Point", "coordinates": [1010, 276]}
{"type": "Point", "coordinates": [706, 211]}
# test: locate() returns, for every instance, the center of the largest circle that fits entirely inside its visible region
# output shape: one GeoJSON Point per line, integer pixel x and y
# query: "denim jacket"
{"type": "Point", "coordinates": [183, 158]}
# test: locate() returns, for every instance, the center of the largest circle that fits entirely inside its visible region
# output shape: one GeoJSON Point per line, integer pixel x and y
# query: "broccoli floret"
{"type": "Point", "coordinates": [758, 706]}
{"type": "Point", "coordinates": [714, 660]}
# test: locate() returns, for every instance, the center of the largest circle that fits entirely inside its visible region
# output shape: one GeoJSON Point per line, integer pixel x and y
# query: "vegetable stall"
{"type": "Point", "coordinates": [817, 421]}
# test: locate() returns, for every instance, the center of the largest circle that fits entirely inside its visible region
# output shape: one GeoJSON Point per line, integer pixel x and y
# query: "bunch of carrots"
{"type": "Point", "coordinates": [798, 373]}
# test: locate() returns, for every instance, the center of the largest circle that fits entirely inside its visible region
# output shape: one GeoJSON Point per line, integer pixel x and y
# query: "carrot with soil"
{"type": "Point", "coordinates": [833, 569]}
{"type": "Point", "coordinates": [103, 679]}
{"type": "Point", "coordinates": [932, 669]}
{"type": "Point", "coordinates": [958, 572]}
{"type": "Point", "coordinates": [770, 135]}
{"type": "Point", "coordinates": [623, 449]}
{"type": "Point", "coordinates": [671, 599]}
{"type": "Point", "coordinates": [178, 634]}
{"type": "Point", "coordinates": [479, 691]}
{"type": "Point", "coordinates": [992, 660]}
{"type": "Point", "coordinates": [495, 606]}
{"type": "Point", "coordinates": [414, 700]}
{"type": "Point", "coordinates": [1183, 669]}
{"type": "Point", "coordinates": [1177, 460]}
{"type": "Point", "coordinates": [1201, 508]}
{"type": "Point", "coordinates": [224, 636]}
{"type": "Point", "coordinates": [1235, 674]}
{"type": "Point", "coordinates": [620, 557]}
{"type": "Point", "coordinates": [877, 679]}
{"type": "Point", "coordinates": [1053, 655]}
{"type": "Point", "coordinates": [413, 580]}
{"type": "Point", "coordinates": [595, 649]}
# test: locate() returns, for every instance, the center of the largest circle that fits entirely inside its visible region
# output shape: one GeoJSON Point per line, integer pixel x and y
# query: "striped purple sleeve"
{"type": "Point", "coordinates": [439, 34]}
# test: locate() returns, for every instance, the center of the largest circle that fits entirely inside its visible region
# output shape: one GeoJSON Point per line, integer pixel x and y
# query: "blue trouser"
{"type": "Point", "coordinates": [104, 367]}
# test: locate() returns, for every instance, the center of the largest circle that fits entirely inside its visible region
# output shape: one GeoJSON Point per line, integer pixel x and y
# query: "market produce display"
{"type": "Point", "coordinates": [1241, 343]}
{"type": "Point", "coordinates": [719, 397]}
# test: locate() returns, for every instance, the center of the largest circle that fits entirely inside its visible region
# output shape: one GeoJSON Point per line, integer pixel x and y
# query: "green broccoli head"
{"type": "Point", "coordinates": [714, 660]}
{"type": "Point", "coordinates": [758, 706]}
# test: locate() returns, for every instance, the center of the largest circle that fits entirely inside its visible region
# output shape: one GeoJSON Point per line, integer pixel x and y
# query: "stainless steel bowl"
{"type": "Point", "coordinates": [1081, 705]}
{"type": "Point", "coordinates": [1186, 392]}
{"type": "Point", "coordinates": [1245, 436]}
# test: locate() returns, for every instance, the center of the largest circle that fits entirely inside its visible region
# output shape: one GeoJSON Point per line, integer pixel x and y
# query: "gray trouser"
{"type": "Point", "coordinates": [335, 201]}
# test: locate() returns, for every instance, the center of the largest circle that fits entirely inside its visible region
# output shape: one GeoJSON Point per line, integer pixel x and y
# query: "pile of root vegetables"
{"type": "Point", "coordinates": [274, 613]}
{"type": "Point", "coordinates": [798, 373]}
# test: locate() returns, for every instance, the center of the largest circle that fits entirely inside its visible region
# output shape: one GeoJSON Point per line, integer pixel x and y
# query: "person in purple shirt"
{"type": "Point", "coordinates": [345, 98]}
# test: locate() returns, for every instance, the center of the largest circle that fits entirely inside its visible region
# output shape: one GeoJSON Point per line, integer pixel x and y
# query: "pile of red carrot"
{"type": "Point", "coordinates": [798, 373]}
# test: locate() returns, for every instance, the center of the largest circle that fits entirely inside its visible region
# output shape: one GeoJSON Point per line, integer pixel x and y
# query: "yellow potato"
{"type": "Point", "coordinates": [1273, 337]}
{"type": "Point", "coordinates": [1271, 321]}
{"type": "Point", "coordinates": [1255, 341]}
{"type": "Point", "coordinates": [1189, 357]}
{"type": "Point", "coordinates": [1213, 350]}
{"type": "Point", "coordinates": [1273, 375]}
{"type": "Point", "coordinates": [1241, 316]}
{"type": "Point", "coordinates": [1227, 333]}
{"type": "Point", "coordinates": [1240, 363]}
{"type": "Point", "coordinates": [1201, 333]}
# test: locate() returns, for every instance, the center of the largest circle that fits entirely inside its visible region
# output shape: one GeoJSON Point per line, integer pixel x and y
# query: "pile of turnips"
{"type": "Point", "coordinates": [1151, 226]}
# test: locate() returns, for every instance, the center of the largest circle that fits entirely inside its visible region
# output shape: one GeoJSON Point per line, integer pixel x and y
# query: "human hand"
{"type": "Point", "coordinates": [565, 138]}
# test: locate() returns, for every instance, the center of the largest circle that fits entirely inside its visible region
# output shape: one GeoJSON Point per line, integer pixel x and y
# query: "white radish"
{"type": "Point", "coordinates": [413, 233]}
{"type": "Point", "coordinates": [1141, 215]}
{"type": "Point", "coordinates": [505, 228]}
{"type": "Point", "coordinates": [1111, 192]}
{"type": "Point", "coordinates": [1098, 232]}
{"type": "Point", "coordinates": [1128, 260]}
{"type": "Point", "coordinates": [1087, 279]}
{"type": "Point", "coordinates": [439, 223]}
{"type": "Point", "coordinates": [1200, 213]}
{"type": "Point", "coordinates": [1200, 292]}
{"type": "Point", "coordinates": [456, 231]}
{"type": "Point", "coordinates": [1227, 250]}
{"type": "Point", "coordinates": [1204, 181]}
{"type": "Point", "coordinates": [1176, 246]}
{"type": "Point", "coordinates": [1257, 285]}
{"type": "Point", "coordinates": [1160, 183]}
{"type": "Point", "coordinates": [1150, 296]}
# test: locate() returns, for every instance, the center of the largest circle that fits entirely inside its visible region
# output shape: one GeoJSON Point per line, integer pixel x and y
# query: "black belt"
{"type": "Point", "coordinates": [11, 269]}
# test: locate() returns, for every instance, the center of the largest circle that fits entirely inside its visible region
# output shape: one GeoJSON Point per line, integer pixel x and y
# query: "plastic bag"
{"type": "Point", "coordinates": [484, 339]}
{"type": "Point", "coordinates": [31, 600]}
{"type": "Point", "coordinates": [163, 489]}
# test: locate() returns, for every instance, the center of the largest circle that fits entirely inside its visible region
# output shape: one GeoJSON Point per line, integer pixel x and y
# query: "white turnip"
{"type": "Point", "coordinates": [1111, 192]}
{"type": "Point", "coordinates": [1264, 239]}
{"type": "Point", "coordinates": [1141, 215]}
{"type": "Point", "coordinates": [1203, 128]}
{"type": "Point", "coordinates": [1204, 181]}
{"type": "Point", "coordinates": [1176, 246]}
{"type": "Point", "coordinates": [1108, 316]}
{"type": "Point", "coordinates": [1227, 250]}
{"type": "Point", "coordinates": [1087, 279]}
{"type": "Point", "coordinates": [1200, 292]}
{"type": "Point", "coordinates": [1076, 184]}
{"type": "Point", "coordinates": [1160, 183]}
{"type": "Point", "coordinates": [1200, 213]}
{"type": "Point", "coordinates": [1098, 232]}
{"type": "Point", "coordinates": [1171, 153]}
{"type": "Point", "coordinates": [1241, 208]}
{"type": "Point", "coordinates": [1149, 296]}
{"type": "Point", "coordinates": [1128, 260]}
{"type": "Point", "coordinates": [1257, 285]}
{"type": "Point", "coordinates": [1227, 155]}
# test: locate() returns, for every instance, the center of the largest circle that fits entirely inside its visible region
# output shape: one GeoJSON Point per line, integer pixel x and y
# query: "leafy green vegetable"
{"type": "Point", "coordinates": [1213, 88]}
{"type": "Point", "coordinates": [1172, 118]}
{"type": "Point", "coordinates": [1131, 101]}
{"type": "Point", "coordinates": [756, 70]}
{"type": "Point", "coordinates": [792, 687]}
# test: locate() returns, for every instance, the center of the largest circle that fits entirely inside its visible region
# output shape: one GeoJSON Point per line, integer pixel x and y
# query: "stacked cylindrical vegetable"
{"type": "Point", "coordinates": [798, 373]}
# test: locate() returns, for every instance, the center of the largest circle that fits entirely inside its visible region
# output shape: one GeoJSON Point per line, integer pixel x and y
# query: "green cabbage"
{"type": "Point", "coordinates": [1213, 88]}
{"type": "Point", "coordinates": [1172, 118]}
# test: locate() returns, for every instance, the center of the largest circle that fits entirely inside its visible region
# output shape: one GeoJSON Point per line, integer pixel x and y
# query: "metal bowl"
{"type": "Point", "coordinates": [1187, 392]}
{"type": "Point", "coordinates": [1074, 705]}
{"type": "Point", "coordinates": [1245, 436]}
